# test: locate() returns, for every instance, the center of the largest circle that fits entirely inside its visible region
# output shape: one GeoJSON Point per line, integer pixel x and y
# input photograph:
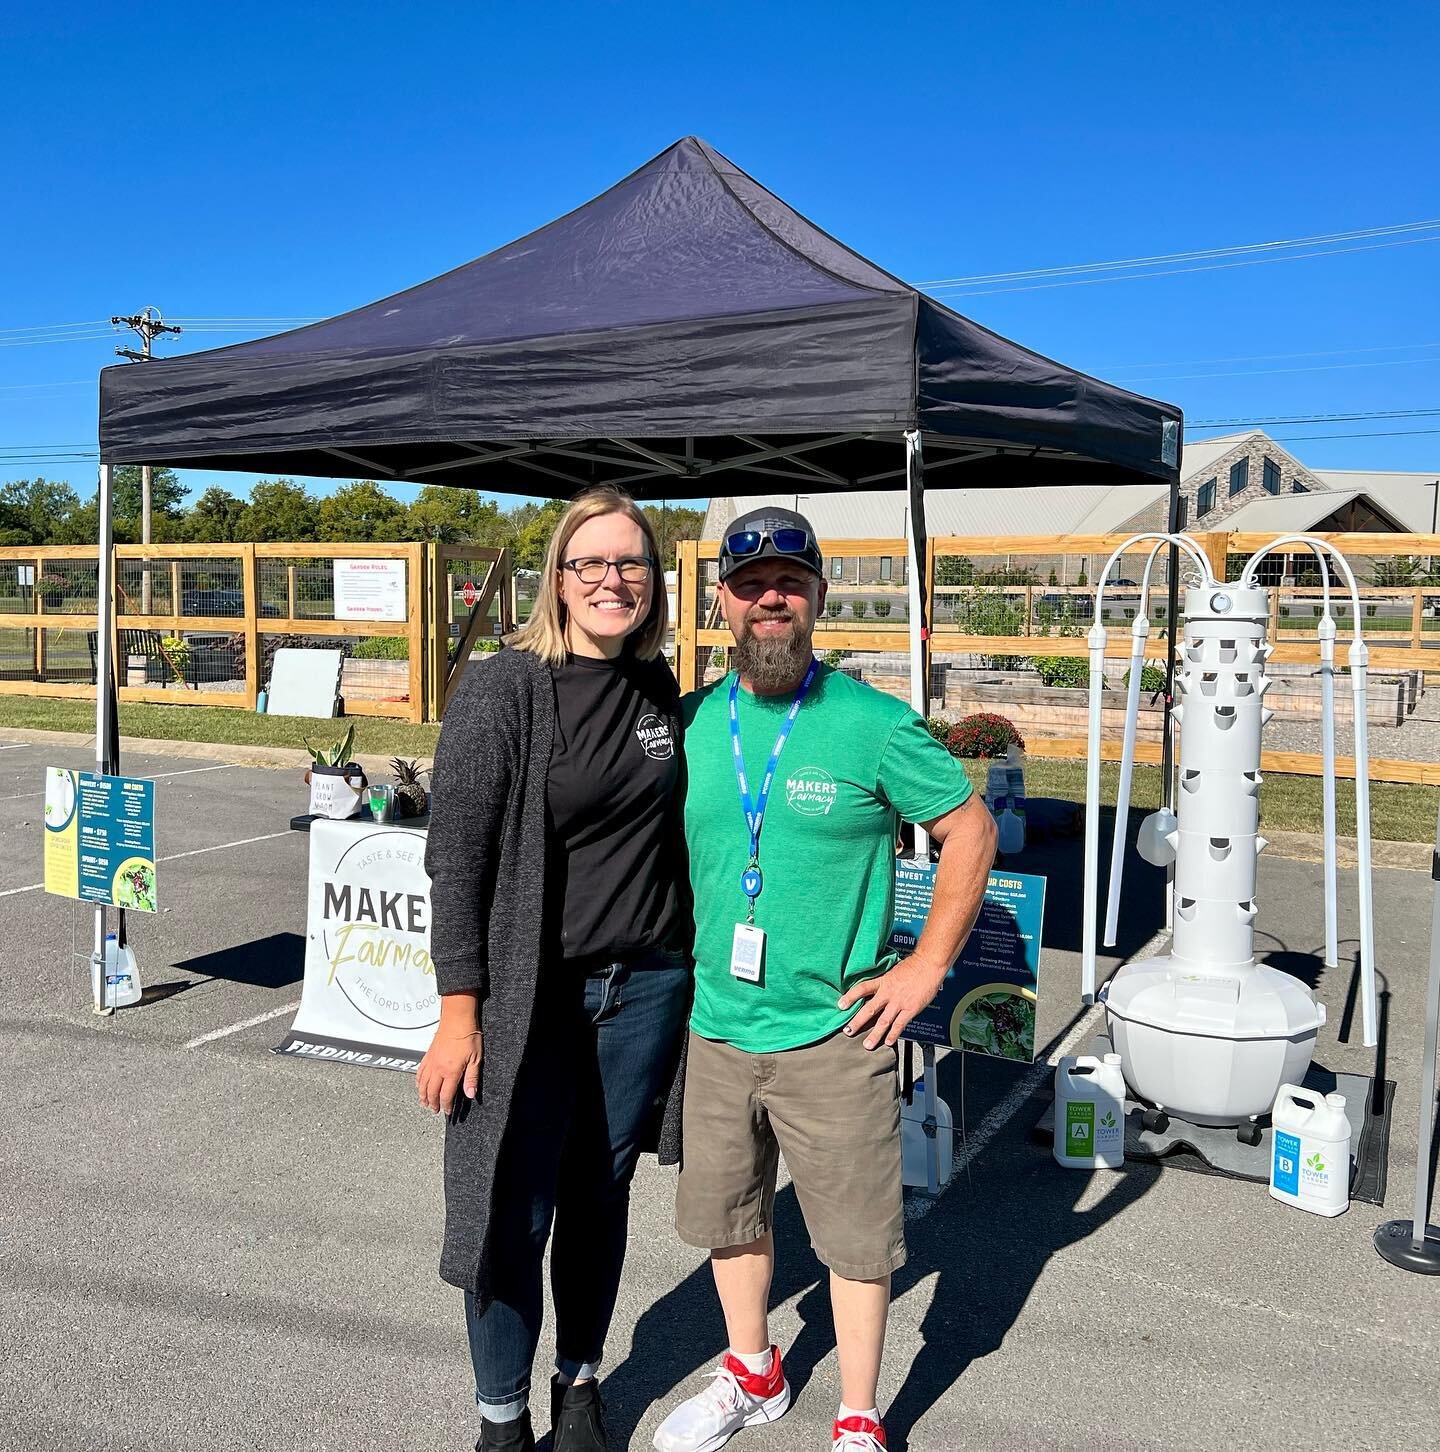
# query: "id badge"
{"type": "Point", "coordinates": [748, 952]}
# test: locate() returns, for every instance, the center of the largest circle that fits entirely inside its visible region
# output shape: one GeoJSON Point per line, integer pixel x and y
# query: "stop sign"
{"type": "Point", "coordinates": [468, 593]}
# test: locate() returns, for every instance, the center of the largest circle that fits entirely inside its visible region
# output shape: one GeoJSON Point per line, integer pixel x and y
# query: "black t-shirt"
{"type": "Point", "coordinates": [612, 807]}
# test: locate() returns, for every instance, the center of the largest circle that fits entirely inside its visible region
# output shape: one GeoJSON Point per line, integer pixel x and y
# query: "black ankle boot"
{"type": "Point", "coordinates": [576, 1417]}
{"type": "Point", "coordinates": [515, 1436]}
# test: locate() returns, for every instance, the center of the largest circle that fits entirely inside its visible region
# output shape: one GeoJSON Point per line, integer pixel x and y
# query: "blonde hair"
{"type": "Point", "coordinates": [544, 633]}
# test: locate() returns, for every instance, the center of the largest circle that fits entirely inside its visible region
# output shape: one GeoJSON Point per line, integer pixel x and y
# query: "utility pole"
{"type": "Point", "coordinates": [149, 325]}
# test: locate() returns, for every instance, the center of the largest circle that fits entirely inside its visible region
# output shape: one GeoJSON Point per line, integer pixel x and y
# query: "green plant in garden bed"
{"type": "Point", "coordinates": [1152, 678]}
{"type": "Point", "coordinates": [177, 653]}
{"type": "Point", "coordinates": [882, 609]}
{"type": "Point", "coordinates": [1063, 670]}
{"type": "Point", "coordinates": [381, 647]}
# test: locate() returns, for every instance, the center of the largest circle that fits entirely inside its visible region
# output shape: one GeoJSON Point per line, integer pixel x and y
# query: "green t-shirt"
{"type": "Point", "coordinates": [857, 762]}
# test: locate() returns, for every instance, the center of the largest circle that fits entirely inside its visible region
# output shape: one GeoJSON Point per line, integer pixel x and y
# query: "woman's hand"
{"type": "Point", "coordinates": [452, 1062]}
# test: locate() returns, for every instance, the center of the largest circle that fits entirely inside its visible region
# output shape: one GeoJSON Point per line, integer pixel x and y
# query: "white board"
{"type": "Point", "coordinates": [370, 590]}
{"type": "Point", "coordinates": [304, 682]}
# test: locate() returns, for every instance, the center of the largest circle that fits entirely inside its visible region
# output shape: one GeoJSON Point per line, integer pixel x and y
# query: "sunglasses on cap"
{"type": "Point", "coordinates": [746, 542]}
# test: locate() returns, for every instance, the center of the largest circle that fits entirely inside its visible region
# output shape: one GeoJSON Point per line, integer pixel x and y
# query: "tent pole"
{"type": "Point", "coordinates": [105, 702]}
{"type": "Point", "coordinates": [916, 539]}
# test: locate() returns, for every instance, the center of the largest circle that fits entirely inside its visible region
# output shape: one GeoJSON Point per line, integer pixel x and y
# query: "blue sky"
{"type": "Point", "coordinates": [295, 161]}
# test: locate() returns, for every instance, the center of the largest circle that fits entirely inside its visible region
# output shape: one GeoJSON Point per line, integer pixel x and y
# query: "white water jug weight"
{"type": "Point", "coordinates": [1310, 1160]}
{"type": "Point", "coordinates": [1090, 1113]}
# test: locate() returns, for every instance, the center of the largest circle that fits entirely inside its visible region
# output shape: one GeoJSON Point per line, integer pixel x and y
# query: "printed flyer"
{"type": "Point", "coordinates": [100, 838]}
{"type": "Point", "coordinates": [987, 1002]}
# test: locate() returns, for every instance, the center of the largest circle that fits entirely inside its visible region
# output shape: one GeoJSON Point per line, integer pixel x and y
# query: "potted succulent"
{"type": "Point", "coordinates": [337, 784]}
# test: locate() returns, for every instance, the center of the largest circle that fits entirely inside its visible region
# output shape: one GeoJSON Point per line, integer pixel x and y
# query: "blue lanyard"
{"type": "Point", "coordinates": [750, 880]}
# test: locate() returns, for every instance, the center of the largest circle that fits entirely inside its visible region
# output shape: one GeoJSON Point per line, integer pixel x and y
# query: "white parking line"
{"type": "Point", "coordinates": [221, 846]}
{"type": "Point", "coordinates": [14, 746]}
{"type": "Point", "coordinates": [164, 776]}
{"type": "Point", "coordinates": [173, 857]}
{"type": "Point", "coordinates": [235, 1028]}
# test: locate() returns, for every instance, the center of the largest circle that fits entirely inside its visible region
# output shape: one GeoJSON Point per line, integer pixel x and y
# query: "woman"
{"type": "Point", "coordinates": [559, 922]}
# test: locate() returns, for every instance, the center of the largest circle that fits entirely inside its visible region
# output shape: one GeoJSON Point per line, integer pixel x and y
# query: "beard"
{"type": "Point", "coordinates": [773, 663]}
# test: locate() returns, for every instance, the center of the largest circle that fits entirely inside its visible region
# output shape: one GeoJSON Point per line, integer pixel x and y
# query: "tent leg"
{"type": "Point", "coordinates": [105, 701]}
{"type": "Point", "coordinates": [916, 539]}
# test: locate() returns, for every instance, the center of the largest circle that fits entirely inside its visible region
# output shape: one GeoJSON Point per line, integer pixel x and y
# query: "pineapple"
{"type": "Point", "coordinates": [410, 797]}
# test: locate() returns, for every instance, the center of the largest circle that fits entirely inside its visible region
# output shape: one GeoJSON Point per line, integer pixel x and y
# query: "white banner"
{"type": "Point", "coordinates": [369, 994]}
{"type": "Point", "coordinates": [370, 590]}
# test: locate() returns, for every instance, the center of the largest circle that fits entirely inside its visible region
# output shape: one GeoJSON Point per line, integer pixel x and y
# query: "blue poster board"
{"type": "Point", "coordinates": [987, 1002]}
{"type": "Point", "coordinates": [100, 838]}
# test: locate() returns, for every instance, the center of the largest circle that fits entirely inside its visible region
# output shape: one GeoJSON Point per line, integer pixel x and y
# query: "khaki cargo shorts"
{"type": "Point", "coordinates": [833, 1110]}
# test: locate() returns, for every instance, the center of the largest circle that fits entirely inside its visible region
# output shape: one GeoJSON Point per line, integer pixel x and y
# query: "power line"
{"type": "Point", "coordinates": [1217, 423]}
{"type": "Point", "coordinates": [1263, 357]}
{"type": "Point", "coordinates": [1271, 372]}
{"type": "Point", "coordinates": [1319, 239]}
{"type": "Point", "coordinates": [1180, 271]}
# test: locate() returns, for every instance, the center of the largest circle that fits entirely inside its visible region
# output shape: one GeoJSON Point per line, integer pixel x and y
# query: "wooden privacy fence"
{"type": "Point", "coordinates": [197, 624]}
{"type": "Point", "coordinates": [1000, 603]}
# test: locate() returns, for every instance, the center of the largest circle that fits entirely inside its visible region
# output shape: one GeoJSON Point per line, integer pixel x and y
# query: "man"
{"type": "Point", "coordinates": [792, 1045]}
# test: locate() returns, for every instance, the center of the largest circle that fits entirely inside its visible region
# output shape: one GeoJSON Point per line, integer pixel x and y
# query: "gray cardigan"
{"type": "Point", "coordinates": [486, 860]}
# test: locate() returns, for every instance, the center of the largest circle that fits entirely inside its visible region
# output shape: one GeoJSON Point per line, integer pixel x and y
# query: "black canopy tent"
{"type": "Point", "coordinates": [683, 330]}
{"type": "Point", "coordinates": [685, 323]}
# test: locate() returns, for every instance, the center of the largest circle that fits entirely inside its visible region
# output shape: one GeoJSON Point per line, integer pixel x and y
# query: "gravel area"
{"type": "Point", "coordinates": [1417, 740]}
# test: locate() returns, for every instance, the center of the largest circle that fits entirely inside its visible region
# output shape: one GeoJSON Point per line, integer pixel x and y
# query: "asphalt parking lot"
{"type": "Point", "coordinates": [207, 1246]}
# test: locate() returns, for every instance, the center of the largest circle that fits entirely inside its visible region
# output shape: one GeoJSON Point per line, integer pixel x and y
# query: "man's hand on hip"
{"type": "Point", "coordinates": [893, 1000]}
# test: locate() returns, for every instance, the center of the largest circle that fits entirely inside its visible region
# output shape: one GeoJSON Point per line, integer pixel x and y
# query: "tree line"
{"type": "Point", "coordinates": [47, 511]}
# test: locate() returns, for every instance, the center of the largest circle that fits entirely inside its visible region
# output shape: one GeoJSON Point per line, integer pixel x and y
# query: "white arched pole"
{"type": "Point", "coordinates": [1139, 635]}
{"type": "Point", "coordinates": [1096, 641]}
{"type": "Point", "coordinates": [1358, 660]}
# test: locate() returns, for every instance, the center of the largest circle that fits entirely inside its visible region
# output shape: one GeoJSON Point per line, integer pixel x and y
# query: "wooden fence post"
{"type": "Point", "coordinates": [250, 584]}
{"type": "Point", "coordinates": [1417, 620]}
{"type": "Point", "coordinates": [687, 611]}
{"type": "Point", "coordinates": [415, 616]}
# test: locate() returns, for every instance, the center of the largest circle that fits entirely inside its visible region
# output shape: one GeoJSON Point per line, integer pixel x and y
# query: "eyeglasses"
{"type": "Point", "coordinates": [746, 542]}
{"type": "Point", "coordinates": [591, 570]}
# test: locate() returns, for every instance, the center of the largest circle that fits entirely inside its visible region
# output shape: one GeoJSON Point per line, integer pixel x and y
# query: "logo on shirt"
{"type": "Point", "coordinates": [811, 791]}
{"type": "Point", "coordinates": [654, 737]}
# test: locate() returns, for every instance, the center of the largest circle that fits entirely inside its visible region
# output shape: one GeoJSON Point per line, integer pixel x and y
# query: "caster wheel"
{"type": "Point", "coordinates": [1155, 1120]}
{"type": "Point", "coordinates": [1248, 1133]}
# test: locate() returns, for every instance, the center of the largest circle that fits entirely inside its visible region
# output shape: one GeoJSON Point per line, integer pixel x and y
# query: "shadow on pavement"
{"type": "Point", "coordinates": [273, 962]}
{"type": "Point", "coordinates": [983, 1251]}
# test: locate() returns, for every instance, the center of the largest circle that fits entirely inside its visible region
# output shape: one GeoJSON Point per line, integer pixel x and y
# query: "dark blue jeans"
{"type": "Point", "coordinates": [602, 1053]}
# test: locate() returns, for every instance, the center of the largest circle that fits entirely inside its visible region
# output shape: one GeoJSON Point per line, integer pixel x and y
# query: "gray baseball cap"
{"type": "Point", "coordinates": [769, 532]}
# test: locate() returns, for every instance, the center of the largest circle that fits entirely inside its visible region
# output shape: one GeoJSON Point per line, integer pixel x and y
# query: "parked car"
{"type": "Point", "coordinates": [221, 604]}
{"type": "Point", "coordinates": [1081, 607]}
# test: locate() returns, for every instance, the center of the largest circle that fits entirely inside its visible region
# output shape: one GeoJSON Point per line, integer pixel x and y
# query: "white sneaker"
{"type": "Point", "coordinates": [858, 1434]}
{"type": "Point", "coordinates": [734, 1399]}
